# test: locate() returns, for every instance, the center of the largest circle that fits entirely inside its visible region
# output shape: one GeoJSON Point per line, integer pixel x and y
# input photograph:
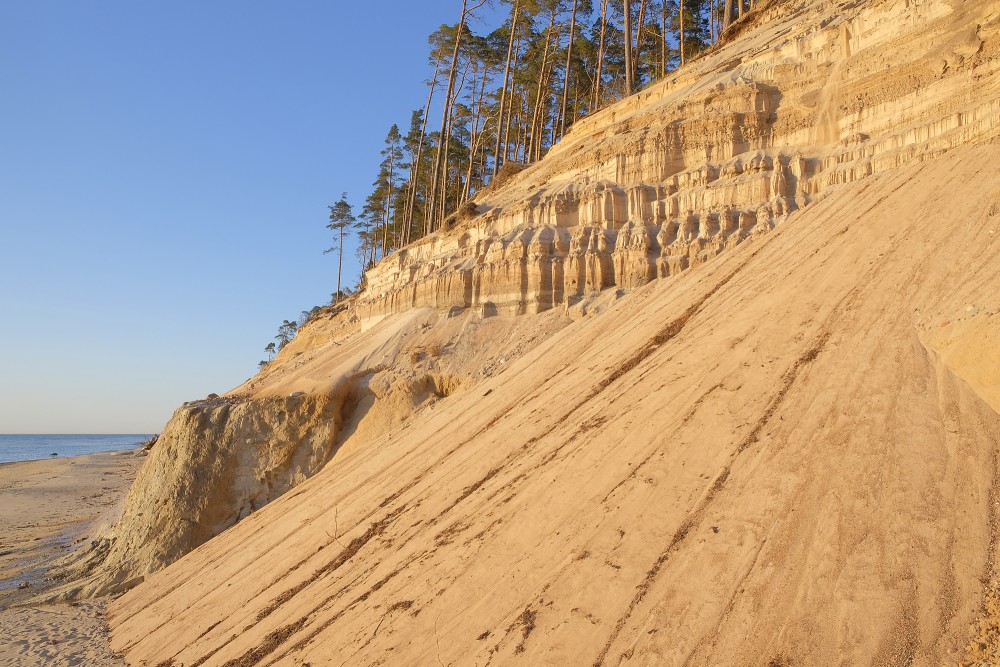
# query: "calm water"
{"type": "Point", "coordinates": [31, 447]}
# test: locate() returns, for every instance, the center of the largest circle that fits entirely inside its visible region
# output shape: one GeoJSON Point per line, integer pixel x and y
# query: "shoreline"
{"type": "Point", "coordinates": [60, 446]}
{"type": "Point", "coordinates": [51, 459]}
{"type": "Point", "coordinates": [49, 508]}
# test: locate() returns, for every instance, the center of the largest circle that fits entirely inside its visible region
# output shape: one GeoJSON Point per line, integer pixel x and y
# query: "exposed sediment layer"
{"type": "Point", "coordinates": [719, 152]}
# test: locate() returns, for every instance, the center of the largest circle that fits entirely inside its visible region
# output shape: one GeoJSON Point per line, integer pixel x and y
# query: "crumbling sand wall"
{"type": "Point", "coordinates": [720, 152]}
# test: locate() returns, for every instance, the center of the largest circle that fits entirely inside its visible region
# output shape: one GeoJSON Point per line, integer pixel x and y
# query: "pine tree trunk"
{"type": "Point", "coordinates": [364, 254]}
{"type": "Point", "coordinates": [447, 142]}
{"type": "Point", "coordinates": [536, 128]}
{"type": "Point", "coordinates": [663, 39]}
{"type": "Point", "coordinates": [629, 66]}
{"type": "Point", "coordinates": [713, 31]}
{"type": "Point", "coordinates": [638, 41]}
{"type": "Point", "coordinates": [340, 261]}
{"type": "Point", "coordinates": [520, 138]}
{"type": "Point", "coordinates": [445, 114]}
{"type": "Point", "coordinates": [363, 258]}
{"type": "Point", "coordinates": [503, 88]}
{"type": "Point", "coordinates": [542, 111]}
{"type": "Point", "coordinates": [483, 157]}
{"type": "Point", "coordinates": [473, 128]}
{"type": "Point", "coordinates": [415, 167]}
{"type": "Point", "coordinates": [427, 196]}
{"type": "Point", "coordinates": [475, 139]}
{"type": "Point", "coordinates": [569, 56]}
{"type": "Point", "coordinates": [576, 96]}
{"type": "Point", "coordinates": [680, 26]}
{"type": "Point", "coordinates": [519, 129]}
{"type": "Point", "coordinates": [600, 55]}
{"type": "Point", "coordinates": [400, 239]}
{"type": "Point", "coordinates": [727, 14]}
{"type": "Point", "coordinates": [388, 204]}
{"type": "Point", "coordinates": [514, 97]}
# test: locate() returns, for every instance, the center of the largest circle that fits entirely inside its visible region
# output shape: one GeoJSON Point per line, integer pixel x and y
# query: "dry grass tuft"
{"type": "Point", "coordinates": [527, 622]}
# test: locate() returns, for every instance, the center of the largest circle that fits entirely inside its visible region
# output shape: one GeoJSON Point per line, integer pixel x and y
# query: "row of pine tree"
{"type": "Point", "coordinates": [508, 96]}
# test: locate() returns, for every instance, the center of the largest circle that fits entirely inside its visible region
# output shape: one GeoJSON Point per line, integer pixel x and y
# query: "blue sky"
{"type": "Point", "coordinates": [164, 175]}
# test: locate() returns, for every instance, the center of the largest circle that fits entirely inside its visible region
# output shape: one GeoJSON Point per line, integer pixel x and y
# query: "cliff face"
{"type": "Point", "coordinates": [778, 428]}
{"type": "Point", "coordinates": [215, 463]}
{"type": "Point", "coordinates": [804, 98]}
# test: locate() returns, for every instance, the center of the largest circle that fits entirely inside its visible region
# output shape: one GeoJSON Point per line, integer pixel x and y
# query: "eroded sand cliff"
{"type": "Point", "coordinates": [770, 439]}
{"type": "Point", "coordinates": [806, 96]}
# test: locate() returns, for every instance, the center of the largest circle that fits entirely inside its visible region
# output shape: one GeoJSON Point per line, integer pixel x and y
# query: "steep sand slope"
{"type": "Point", "coordinates": [803, 97]}
{"type": "Point", "coordinates": [757, 462]}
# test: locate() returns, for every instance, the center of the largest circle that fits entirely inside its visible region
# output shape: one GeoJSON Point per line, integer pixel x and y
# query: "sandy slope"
{"type": "Point", "coordinates": [758, 462]}
{"type": "Point", "coordinates": [801, 99]}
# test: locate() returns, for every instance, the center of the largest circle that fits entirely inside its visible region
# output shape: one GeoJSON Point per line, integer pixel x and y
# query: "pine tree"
{"type": "Point", "coordinates": [629, 65]}
{"type": "Point", "coordinates": [286, 332]}
{"type": "Point", "coordinates": [341, 219]}
{"type": "Point", "coordinates": [600, 54]}
{"type": "Point", "coordinates": [515, 14]}
{"type": "Point", "coordinates": [513, 93]}
{"type": "Point", "coordinates": [566, 73]}
{"type": "Point", "coordinates": [392, 158]}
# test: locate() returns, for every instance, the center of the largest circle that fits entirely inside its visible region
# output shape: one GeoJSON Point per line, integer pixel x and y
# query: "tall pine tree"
{"type": "Point", "coordinates": [341, 219]}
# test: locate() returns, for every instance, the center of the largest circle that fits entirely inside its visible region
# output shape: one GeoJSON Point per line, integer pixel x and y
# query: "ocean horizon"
{"type": "Point", "coordinates": [38, 446]}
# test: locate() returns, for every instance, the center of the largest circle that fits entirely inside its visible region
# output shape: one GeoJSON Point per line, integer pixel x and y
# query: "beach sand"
{"type": "Point", "coordinates": [47, 508]}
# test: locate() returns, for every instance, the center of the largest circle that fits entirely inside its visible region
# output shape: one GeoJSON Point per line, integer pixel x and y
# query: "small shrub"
{"type": "Point", "coordinates": [468, 210]}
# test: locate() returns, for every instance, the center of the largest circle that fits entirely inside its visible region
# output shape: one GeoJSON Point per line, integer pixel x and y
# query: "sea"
{"type": "Point", "coordinates": [35, 447]}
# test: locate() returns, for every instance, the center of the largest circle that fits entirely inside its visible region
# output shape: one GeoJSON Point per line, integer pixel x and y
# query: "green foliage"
{"type": "Point", "coordinates": [508, 91]}
{"type": "Point", "coordinates": [504, 112]}
{"type": "Point", "coordinates": [341, 219]}
{"type": "Point", "coordinates": [341, 295]}
{"type": "Point", "coordinates": [286, 332]}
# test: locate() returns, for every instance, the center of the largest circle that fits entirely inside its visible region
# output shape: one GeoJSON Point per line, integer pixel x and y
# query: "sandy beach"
{"type": "Point", "coordinates": [47, 508]}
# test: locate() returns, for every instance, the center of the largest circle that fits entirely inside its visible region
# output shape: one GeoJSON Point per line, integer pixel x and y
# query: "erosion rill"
{"type": "Point", "coordinates": [712, 383]}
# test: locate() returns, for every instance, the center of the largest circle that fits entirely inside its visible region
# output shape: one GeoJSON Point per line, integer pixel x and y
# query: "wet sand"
{"type": "Point", "coordinates": [47, 509]}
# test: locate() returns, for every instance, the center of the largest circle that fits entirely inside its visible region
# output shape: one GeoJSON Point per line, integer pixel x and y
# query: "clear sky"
{"type": "Point", "coordinates": [164, 175]}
